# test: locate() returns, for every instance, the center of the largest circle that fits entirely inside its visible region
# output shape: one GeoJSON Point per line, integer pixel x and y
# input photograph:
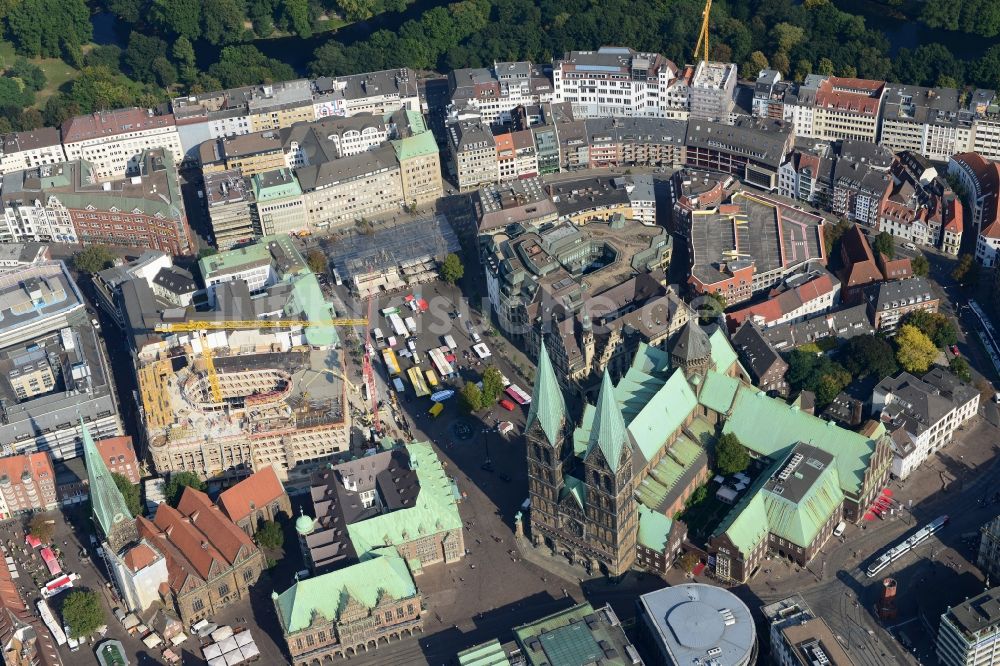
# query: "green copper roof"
{"type": "Point", "coordinates": [576, 488]}
{"type": "Point", "coordinates": [106, 500]}
{"type": "Point", "coordinates": [718, 391]}
{"type": "Point", "coordinates": [547, 404]}
{"type": "Point", "coordinates": [307, 301]}
{"type": "Point", "coordinates": [608, 432]}
{"type": "Point", "coordinates": [328, 595]}
{"type": "Point", "coordinates": [771, 428]}
{"type": "Point", "coordinates": [418, 145]}
{"type": "Point", "coordinates": [487, 654]}
{"type": "Point", "coordinates": [436, 509]}
{"type": "Point", "coordinates": [723, 354]}
{"type": "Point", "coordinates": [663, 413]}
{"type": "Point", "coordinates": [654, 529]}
{"type": "Point", "coordinates": [800, 522]}
{"type": "Point", "coordinates": [746, 523]}
{"type": "Point", "coordinates": [304, 524]}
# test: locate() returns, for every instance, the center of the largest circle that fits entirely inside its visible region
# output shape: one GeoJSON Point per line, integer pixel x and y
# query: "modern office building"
{"type": "Point", "coordinates": [232, 208]}
{"type": "Point", "coordinates": [577, 635]}
{"type": "Point", "coordinates": [799, 638]}
{"type": "Point", "coordinates": [27, 150]}
{"type": "Point", "coordinates": [969, 633]}
{"type": "Point", "coordinates": [55, 365]}
{"type": "Point", "coordinates": [696, 623]}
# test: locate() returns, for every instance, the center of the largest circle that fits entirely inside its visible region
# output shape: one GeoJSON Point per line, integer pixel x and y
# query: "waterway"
{"type": "Point", "coordinates": [903, 33]}
{"type": "Point", "coordinates": [298, 53]}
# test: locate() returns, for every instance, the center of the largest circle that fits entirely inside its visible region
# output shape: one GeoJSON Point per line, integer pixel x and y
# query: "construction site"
{"type": "Point", "coordinates": [390, 258]}
{"type": "Point", "coordinates": [224, 395]}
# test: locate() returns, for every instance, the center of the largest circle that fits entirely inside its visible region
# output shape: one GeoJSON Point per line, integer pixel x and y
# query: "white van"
{"type": "Point", "coordinates": [378, 335]}
{"type": "Point", "coordinates": [839, 529]}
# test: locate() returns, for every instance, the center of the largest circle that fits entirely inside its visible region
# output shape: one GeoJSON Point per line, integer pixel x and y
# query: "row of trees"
{"type": "Point", "coordinates": [914, 349]}
{"type": "Point", "coordinates": [475, 398]}
{"type": "Point", "coordinates": [796, 38]}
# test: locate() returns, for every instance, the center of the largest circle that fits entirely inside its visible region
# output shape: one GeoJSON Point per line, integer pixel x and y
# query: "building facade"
{"type": "Point", "coordinates": [27, 484]}
{"type": "Point", "coordinates": [344, 613]}
{"type": "Point", "coordinates": [114, 141]}
{"type": "Point", "coordinates": [969, 633]}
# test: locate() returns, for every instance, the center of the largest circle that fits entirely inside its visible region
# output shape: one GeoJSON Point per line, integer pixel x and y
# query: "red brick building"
{"type": "Point", "coordinates": [119, 456]}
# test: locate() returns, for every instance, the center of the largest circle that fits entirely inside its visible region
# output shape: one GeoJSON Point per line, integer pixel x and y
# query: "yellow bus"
{"type": "Point", "coordinates": [432, 379]}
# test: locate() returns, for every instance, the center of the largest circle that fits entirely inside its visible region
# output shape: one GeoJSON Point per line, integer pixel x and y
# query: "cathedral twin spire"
{"type": "Point", "coordinates": [548, 407]}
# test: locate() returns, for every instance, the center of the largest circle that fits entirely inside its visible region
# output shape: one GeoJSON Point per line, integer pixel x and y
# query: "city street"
{"type": "Point", "coordinates": [951, 482]}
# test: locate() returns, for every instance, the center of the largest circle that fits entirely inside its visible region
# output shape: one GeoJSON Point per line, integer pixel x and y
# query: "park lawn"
{"type": "Point", "coordinates": [57, 72]}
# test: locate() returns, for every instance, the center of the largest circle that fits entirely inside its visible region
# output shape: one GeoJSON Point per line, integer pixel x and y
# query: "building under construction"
{"type": "Point", "coordinates": [389, 258]}
{"type": "Point", "coordinates": [221, 397]}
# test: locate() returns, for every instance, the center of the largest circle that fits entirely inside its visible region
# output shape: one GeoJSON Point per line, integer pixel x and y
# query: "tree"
{"type": "Point", "coordinates": [921, 267]}
{"type": "Point", "coordinates": [246, 65]}
{"type": "Point", "coordinates": [730, 455]}
{"type": "Point", "coordinates": [884, 244]}
{"type": "Point", "coordinates": [754, 65]}
{"type": "Point", "coordinates": [297, 14]}
{"type": "Point", "coordinates": [41, 526]}
{"type": "Point", "coordinates": [472, 397]}
{"type": "Point", "coordinates": [141, 52]}
{"type": "Point", "coordinates": [270, 536]}
{"type": "Point", "coordinates": [811, 371]}
{"type": "Point", "coordinates": [966, 266]}
{"type": "Point", "coordinates": [317, 261]}
{"type": "Point", "coordinates": [699, 495]}
{"type": "Point", "coordinates": [40, 27]}
{"type": "Point", "coordinates": [28, 72]}
{"type": "Point", "coordinates": [865, 355]}
{"type": "Point", "coordinates": [130, 492]}
{"type": "Point", "coordinates": [222, 21]}
{"type": "Point", "coordinates": [93, 258]}
{"type": "Point", "coordinates": [492, 385]}
{"type": "Point", "coordinates": [936, 326]}
{"type": "Point", "coordinates": [178, 482]}
{"type": "Point", "coordinates": [961, 368]}
{"type": "Point", "coordinates": [452, 269]}
{"type": "Point", "coordinates": [914, 350]}
{"type": "Point", "coordinates": [825, 67]}
{"type": "Point", "coordinates": [787, 36]}
{"type": "Point", "coordinates": [82, 612]}
{"type": "Point", "coordinates": [832, 233]}
{"type": "Point", "coordinates": [710, 308]}
{"type": "Point", "coordinates": [178, 17]}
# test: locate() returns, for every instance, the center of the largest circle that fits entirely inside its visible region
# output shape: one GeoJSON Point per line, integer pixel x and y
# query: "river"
{"type": "Point", "coordinates": [902, 33]}
{"type": "Point", "coordinates": [298, 52]}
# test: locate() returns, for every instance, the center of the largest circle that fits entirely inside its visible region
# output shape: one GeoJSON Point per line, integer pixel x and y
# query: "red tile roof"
{"type": "Point", "coordinates": [257, 490]}
{"type": "Point", "coordinates": [196, 538]}
{"type": "Point", "coordinates": [140, 557]}
{"type": "Point", "coordinates": [781, 303]}
{"type": "Point", "coordinates": [119, 454]}
{"type": "Point", "coordinates": [108, 124]}
{"type": "Point", "coordinates": [988, 175]}
{"type": "Point", "coordinates": [859, 262]}
{"type": "Point", "coordinates": [861, 96]}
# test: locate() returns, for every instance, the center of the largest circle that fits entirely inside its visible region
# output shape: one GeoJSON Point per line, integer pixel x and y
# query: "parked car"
{"type": "Point", "coordinates": [954, 350]}
{"type": "Point", "coordinates": [507, 404]}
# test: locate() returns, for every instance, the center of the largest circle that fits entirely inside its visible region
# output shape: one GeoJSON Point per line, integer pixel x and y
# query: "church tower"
{"type": "Point", "coordinates": [110, 512]}
{"type": "Point", "coordinates": [691, 350]}
{"type": "Point", "coordinates": [547, 447]}
{"type": "Point", "coordinates": [612, 516]}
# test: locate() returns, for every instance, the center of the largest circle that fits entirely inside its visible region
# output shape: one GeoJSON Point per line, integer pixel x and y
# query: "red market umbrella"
{"type": "Point", "coordinates": [869, 516]}
{"type": "Point", "coordinates": [887, 492]}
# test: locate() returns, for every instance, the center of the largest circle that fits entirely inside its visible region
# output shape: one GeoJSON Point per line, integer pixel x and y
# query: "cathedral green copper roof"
{"type": "Point", "coordinates": [106, 500]}
{"type": "Point", "coordinates": [608, 432]}
{"type": "Point", "coordinates": [328, 595]}
{"type": "Point", "coordinates": [547, 404]}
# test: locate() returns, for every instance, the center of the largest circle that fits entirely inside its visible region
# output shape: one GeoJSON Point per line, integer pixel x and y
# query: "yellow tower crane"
{"type": "Point", "coordinates": [243, 324]}
{"type": "Point", "coordinates": [703, 35]}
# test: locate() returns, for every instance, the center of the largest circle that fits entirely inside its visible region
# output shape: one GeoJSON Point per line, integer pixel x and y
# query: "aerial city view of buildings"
{"type": "Point", "coordinates": [607, 359]}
